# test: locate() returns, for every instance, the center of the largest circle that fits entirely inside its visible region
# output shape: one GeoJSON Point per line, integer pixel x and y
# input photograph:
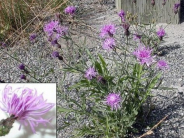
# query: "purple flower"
{"type": "Point", "coordinates": [113, 100]}
{"type": "Point", "coordinates": [164, 2]}
{"type": "Point", "coordinates": [50, 27]}
{"type": "Point", "coordinates": [55, 54]}
{"type": "Point", "coordinates": [23, 77]}
{"type": "Point", "coordinates": [32, 37]}
{"type": "Point", "coordinates": [161, 33]}
{"type": "Point", "coordinates": [136, 37]}
{"type": "Point", "coordinates": [3, 44]}
{"type": "Point", "coordinates": [60, 31]}
{"type": "Point", "coordinates": [54, 42]}
{"type": "Point", "coordinates": [176, 6]}
{"type": "Point", "coordinates": [101, 79]}
{"type": "Point", "coordinates": [152, 2]}
{"type": "Point", "coordinates": [161, 64]}
{"type": "Point", "coordinates": [70, 10]}
{"type": "Point", "coordinates": [122, 15]}
{"type": "Point", "coordinates": [22, 66]}
{"type": "Point", "coordinates": [143, 54]}
{"type": "Point", "coordinates": [109, 44]}
{"type": "Point", "coordinates": [26, 106]}
{"type": "Point", "coordinates": [90, 73]}
{"type": "Point", "coordinates": [107, 30]}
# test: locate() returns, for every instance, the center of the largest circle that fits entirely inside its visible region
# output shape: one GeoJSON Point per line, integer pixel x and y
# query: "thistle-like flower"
{"type": "Point", "coordinates": [109, 44]}
{"type": "Point", "coordinates": [22, 66]}
{"type": "Point", "coordinates": [143, 55]}
{"type": "Point", "coordinates": [113, 100]}
{"type": "Point", "coordinates": [32, 37]}
{"type": "Point", "coordinates": [122, 15]}
{"type": "Point", "coordinates": [161, 64]}
{"type": "Point", "coordinates": [70, 10]}
{"type": "Point", "coordinates": [50, 27]}
{"type": "Point", "coordinates": [108, 29]}
{"type": "Point", "coordinates": [90, 73]}
{"type": "Point", "coordinates": [161, 33]}
{"type": "Point", "coordinates": [25, 106]}
{"type": "Point", "coordinates": [55, 54]}
{"type": "Point", "coordinates": [176, 6]}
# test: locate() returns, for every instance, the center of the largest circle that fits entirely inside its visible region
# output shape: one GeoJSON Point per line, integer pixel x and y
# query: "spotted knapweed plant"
{"type": "Point", "coordinates": [111, 91]}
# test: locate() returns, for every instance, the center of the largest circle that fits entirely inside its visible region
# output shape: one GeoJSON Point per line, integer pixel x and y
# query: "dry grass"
{"type": "Point", "coordinates": [21, 17]}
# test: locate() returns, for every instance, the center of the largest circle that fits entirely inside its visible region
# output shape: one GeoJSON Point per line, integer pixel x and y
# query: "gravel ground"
{"type": "Point", "coordinates": [167, 102]}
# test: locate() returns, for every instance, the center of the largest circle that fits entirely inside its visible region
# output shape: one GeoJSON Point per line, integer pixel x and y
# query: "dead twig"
{"type": "Point", "coordinates": [155, 126]}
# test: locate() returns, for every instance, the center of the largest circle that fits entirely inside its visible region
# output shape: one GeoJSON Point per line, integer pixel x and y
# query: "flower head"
{"type": "Point", "coordinates": [161, 33]}
{"type": "Point", "coordinates": [122, 15]}
{"type": "Point", "coordinates": [108, 29]}
{"type": "Point", "coordinates": [22, 66]}
{"type": "Point", "coordinates": [70, 10]}
{"type": "Point", "coordinates": [55, 54]}
{"type": "Point", "coordinates": [176, 6]}
{"type": "Point", "coordinates": [136, 37]}
{"type": "Point", "coordinates": [113, 100]}
{"type": "Point", "coordinates": [25, 105]}
{"type": "Point", "coordinates": [143, 54]}
{"type": "Point", "coordinates": [23, 77]}
{"type": "Point", "coordinates": [32, 37]}
{"type": "Point", "coordinates": [50, 27]}
{"type": "Point", "coordinates": [161, 64]}
{"type": "Point", "coordinates": [90, 73]}
{"type": "Point", "coordinates": [109, 44]}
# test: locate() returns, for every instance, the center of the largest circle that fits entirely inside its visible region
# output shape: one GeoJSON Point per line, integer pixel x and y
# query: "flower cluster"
{"type": "Point", "coordinates": [108, 31]}
{"type": "Point", "coordinates": [54, 31]}
{"type": "Point", "coordinates": [143, 55]}
{"type": "Point", "coordinates": [26, 106]}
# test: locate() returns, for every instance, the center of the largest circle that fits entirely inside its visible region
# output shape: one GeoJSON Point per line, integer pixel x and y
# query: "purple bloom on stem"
{"type": "Point", "coordinates": [161, 33]}
{"type": "Point", "coordinates": [22, 66]}
{"type": "Point", "coordinates": [50, 27]}
{"type": "Point", "coordinates": [143, 54]}
{"type": "Point", "coordinates": [26, 106]}
{"type": "Point", "coordinates": [176, 6]}
{"type": "Point", "coordinates": [122, 15]}
{"type": "Point", "coordinates": [136, 37]}
{"type": "Point", "coordinates": [90, 73]}
{"type": "Point", "coordinates": [113, 100]}
{"type": "Point", "coordinates": [61, 30]}
{"type": "Point", "coordinates": [54, 42]}
{"type": "Point", "coordinates": [23, 77]}
{"type": "Point", "coordinates": [161, 64]}
{"type": "Point", "coordinates": [3, 44]}
{"type": "Point", "coordinates": [109, 44]}
{"type": "Point", "coordinates": [70, 10]}
{"type": "Point", "coordinates": [32, 37]}
{"type": "Point", "coordinates": [55, 54]}
{"type": "Point", "coordinates": [164, 2]}
{"type": "Point", "coordinates": [107, 30]}
{"type": "Point", "coordinates": [152, 2]}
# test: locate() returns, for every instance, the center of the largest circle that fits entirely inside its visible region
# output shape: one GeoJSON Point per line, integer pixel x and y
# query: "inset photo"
{"type": "Point", "coordinates": [28, 110]}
